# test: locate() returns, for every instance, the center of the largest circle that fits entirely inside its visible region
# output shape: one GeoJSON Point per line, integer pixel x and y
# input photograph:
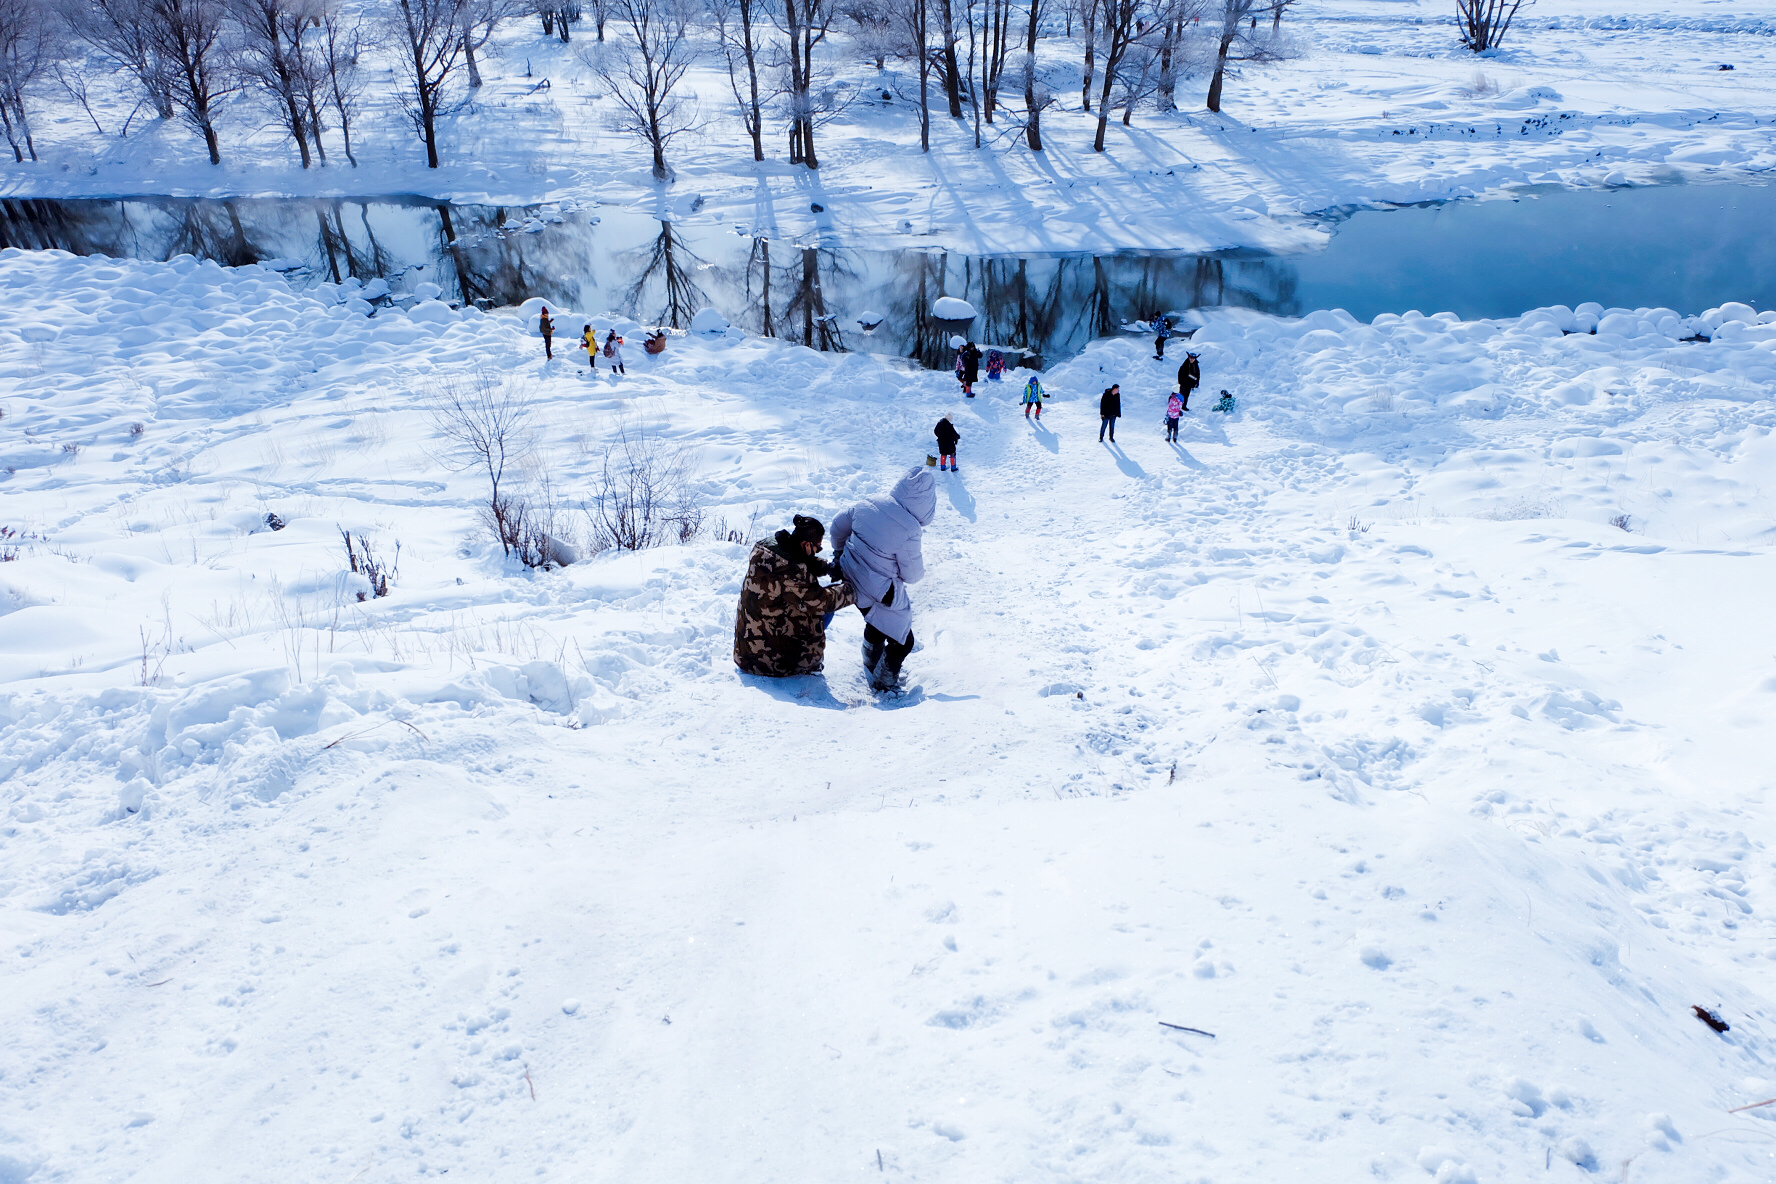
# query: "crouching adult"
{"type": "Point", "coordinates": [780, 628]}
{"type": "Point", "coordinates": [878, 545]}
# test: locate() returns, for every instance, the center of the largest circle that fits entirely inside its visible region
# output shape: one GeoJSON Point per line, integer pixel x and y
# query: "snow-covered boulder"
{"type": "Point", "coordinates": [869, 320]}
{"type": "Point", "coordinates": [376, 289]}
{"type": "Point", "coordinates": [434, 312]}
{"type": "Point", "coordinates": [427, 291]}
{"type": "Point", "coordinates": [952, 308]}
{"type": "Point", "coordinates": [709, 323]}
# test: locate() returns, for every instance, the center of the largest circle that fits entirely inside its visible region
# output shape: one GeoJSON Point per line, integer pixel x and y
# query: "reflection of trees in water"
{"type": "Point", "coordinates": [210, 230]}
{"type": "Point", "coordinates": [80, 228]}
{"type": "Point", "coordinates": [495, 267]}
{"type": "Point", "coordinates": [1049, 305]}
{"type": "Point", "coordinates": [1056, 304]}
{"type": "Point", "coordinates": [819, 328]}
{"type": "Point", "coordinates": [336, 245]}
{"type": "Point", "coordinates": [805, 317]}
{"type": "Point", "coordinates": [669, 264]}
{"type": "Point", "coordinates": [758, 264]}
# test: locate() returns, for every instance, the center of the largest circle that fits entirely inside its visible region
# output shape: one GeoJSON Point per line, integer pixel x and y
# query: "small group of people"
{"type": "Point", "coordinates": [1177, 403]}
{"type": "Point", "coordinates": [611, 348]}
{"type": "Point", "coordinates": [968, 366]}
{"type": "Point", "coordinates": [780, 627]}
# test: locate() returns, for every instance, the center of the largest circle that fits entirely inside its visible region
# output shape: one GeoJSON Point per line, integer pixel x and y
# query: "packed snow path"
{"type": "Point", "coordinates": [1349, 731]}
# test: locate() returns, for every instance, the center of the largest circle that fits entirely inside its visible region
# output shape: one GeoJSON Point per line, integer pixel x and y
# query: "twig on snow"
{"type": "Point", "coordinates": [1182, 1028]}
{"type": "Point", "coordinates": [1753, 1106]}
{"type": "Point", "coordinates": [163, 982]}
{"type": "Point", "coordinates": [385, 723]}
{"type": "Point", "coordinates": [530, 1083]}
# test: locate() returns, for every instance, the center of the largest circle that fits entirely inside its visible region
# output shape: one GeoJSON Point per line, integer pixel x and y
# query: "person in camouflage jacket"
{"type": "Point", "coordinates": [780, 628]}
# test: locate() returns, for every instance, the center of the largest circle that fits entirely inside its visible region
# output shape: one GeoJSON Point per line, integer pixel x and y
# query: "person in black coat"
{"type": "Point", "coordinates": [1190, 376]}
{"type": "Point", "coordinates": [1109, 410]}
{"type": "Point", "coordinates": [968, 360]}
{"type": "Point", "coordinates": [947, 436]}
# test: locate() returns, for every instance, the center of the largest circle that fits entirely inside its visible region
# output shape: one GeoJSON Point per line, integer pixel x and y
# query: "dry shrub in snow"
{"type": "Point", "coordinates": [643, 496]}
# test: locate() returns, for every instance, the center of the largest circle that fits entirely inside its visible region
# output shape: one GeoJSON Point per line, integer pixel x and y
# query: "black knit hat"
{"type": "Point", "coordinates": [808, 530]}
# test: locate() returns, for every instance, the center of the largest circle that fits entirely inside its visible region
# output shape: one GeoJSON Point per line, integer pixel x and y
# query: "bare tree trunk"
{"type": "Point", "coordinates": [1089, 21]}
{"type": "Point", "coordinates": [1032, 112]}
{"type": "Point", "coordinates": [952, 69]}
{"type": "Point", "coordinates": [1214, 100]}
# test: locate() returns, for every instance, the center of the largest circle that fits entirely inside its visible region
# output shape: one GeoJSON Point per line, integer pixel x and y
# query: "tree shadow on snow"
{"type": "Point", "coordinates": [959, 495]}
{"type": "Point", "coordinates": [807, 690]}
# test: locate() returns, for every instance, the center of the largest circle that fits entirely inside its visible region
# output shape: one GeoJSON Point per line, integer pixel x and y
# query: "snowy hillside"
{"type": "Point", "coordinates": [1351, 730]}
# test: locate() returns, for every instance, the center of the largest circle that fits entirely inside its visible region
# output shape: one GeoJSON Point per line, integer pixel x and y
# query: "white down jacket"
{"type": "Point", "coordinates": [878, 541]}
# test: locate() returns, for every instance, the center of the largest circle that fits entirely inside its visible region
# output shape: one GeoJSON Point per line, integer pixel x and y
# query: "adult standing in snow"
{"type": "Point", "coordinates": [547, 327]}
{"type": "Point", "coordinates": [780, 627]}
{"type": "Point", "coordinates": [1190, 376]}
{"type": "Point", "coordinates": [613, 352]}
{"type": "Point", "coordinates": [1174, 409]}
{"type": "Point", "coordinates": [968, 360]}
{"type": "Point", "coordinates": [1033, 396]}
{"type": "Point", "coordinates": [947, 437]}
{"type": "Point", "coordinates": [877, 543]}
{"type": "Point", "coordinates": [1162, 329]}
{"type": "Point", "coordinates": [589, 343]}
{"type": "Point", "coordinates": [1109, 410]}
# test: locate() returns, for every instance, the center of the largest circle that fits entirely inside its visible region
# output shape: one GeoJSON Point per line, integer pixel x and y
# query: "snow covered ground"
{"type": "Point", "coordinates": [1382, 106]}
{"type": "Point", "coordinates": [1350, 730]}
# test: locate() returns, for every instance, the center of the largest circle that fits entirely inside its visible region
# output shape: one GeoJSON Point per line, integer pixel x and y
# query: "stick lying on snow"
{"type": "Point", "coordinates": [385, 723]}
{"type": "Point", "coordinates": [1182, 1028]}
{"type": "Point", "coordinates": [1753, 1106]}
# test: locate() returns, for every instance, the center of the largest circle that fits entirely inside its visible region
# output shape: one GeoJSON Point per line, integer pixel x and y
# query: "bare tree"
{"type": "Point", "coordinates": [429, 34]}
{"type": "Point", "coordinates": [119, 31]}
{"type": "Point", "coordinates": [30, 43]}
{"type": "Point", "coordinates": [480, 19]}
{"type": "Point", "coordinates": [272, 61]}
{"type": "Point", "coordinates": [996, 37]}
{"type": "Point", "coordinates": [342, 89]}
{"type": "Point", "coordinates": [644, 74]}
{"type": "Point", "coordinates": [1238, 40]}
{"type": "Point", "coordinates": [948, 65]}
{"type": "Point", "coordinates": [1088, 20]}
{"type": "Point", "coordinates": [196, 60]}
{"type": "Point", "coordinates": [737, 33]}
{"type": "Point", "coordinates": [1484, 23]}
{"type": "Point", "coordinates": [1123, 29]}
{"type": "Point", "coordinates": [915, 18]}
{"type": "Point", "coordinates": [487, 425]}
{"type": "Point", "coordinates": [873, 28]}
{"type": "Point", "coordinates": [1037, 98]}
{"type": "Point", "coordinates": [805, 26]}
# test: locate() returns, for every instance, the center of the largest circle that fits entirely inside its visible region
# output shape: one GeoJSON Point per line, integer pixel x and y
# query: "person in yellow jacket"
{"type": "Point", "coordinates": [589, 343]}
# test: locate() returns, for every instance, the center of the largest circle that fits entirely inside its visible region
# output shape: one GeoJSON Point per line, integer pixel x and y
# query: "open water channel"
{"type": "Point", "coordinates": [1685, 247]}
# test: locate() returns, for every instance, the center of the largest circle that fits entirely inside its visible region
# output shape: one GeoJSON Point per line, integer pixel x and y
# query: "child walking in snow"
{"type": "Point", "coordinates": [1162, 329]}
{"type": "Point", "coordinates": [613, 352]}
{"type": "Point", "coordinates": [947, 436]}
{"type": "Point", "coordinates": [995, 366]}
{"type": "Point", "coordinates": [1174, 409]}
{"type": "Point", "coordinates": [1033, 396]}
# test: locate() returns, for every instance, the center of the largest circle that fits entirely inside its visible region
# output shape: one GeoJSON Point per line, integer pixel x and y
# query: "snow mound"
{"type": "Point", "coordinates": [952, 308]}
{"type": "Point", "coordinates": [709, 322]}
